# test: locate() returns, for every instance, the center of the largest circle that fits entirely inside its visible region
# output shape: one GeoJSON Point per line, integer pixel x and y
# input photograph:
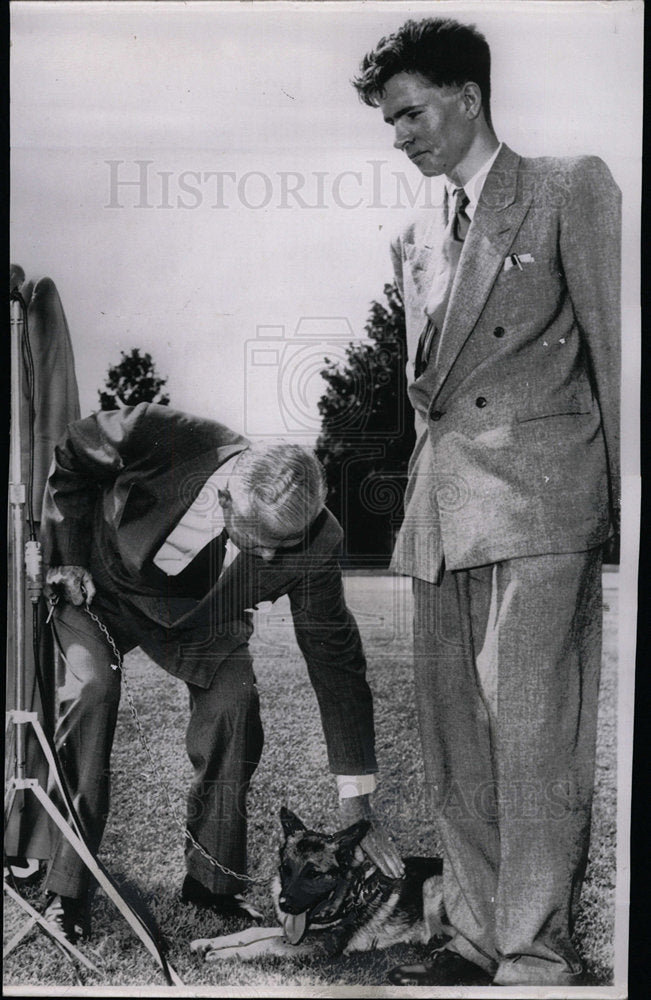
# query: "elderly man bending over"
{"type": "Point", "coordinates": [175, 527]}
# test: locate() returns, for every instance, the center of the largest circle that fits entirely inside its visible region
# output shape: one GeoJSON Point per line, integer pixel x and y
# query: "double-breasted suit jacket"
{"type": "Point", "coordinates": [517, 412]}
{"type": "Point", "coordinates": [119, 484]}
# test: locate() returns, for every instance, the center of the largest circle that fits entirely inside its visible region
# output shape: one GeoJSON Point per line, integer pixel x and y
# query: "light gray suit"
{"type": "Point", "coordinates": [513, 487]}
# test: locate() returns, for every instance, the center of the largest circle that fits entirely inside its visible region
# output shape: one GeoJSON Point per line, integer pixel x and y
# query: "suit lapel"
{"type": "Point", "coordinates": [154, 506]}
{"type": "Point", "coordinates": [496, 222]}
{"type": "Point", "coordinates": [242, 585]}
{"type": "Point", "coordinates": [421, 262]}
{"type": "Point", "coordinates": [248, 580]}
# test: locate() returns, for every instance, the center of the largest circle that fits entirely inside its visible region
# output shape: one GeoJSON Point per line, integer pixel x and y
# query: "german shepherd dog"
{"type": "Point", "coordinates": [326, 883]}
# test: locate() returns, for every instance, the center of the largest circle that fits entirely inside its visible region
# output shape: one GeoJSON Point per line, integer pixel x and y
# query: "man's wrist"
{"type": "Point", "coordinates": [355, 808]}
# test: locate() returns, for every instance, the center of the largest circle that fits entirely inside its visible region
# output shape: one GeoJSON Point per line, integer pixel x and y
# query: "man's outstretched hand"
{"type": "Point", "coordinates": [376, 844]}
{"type": "Point", "coordinates": [73, 583]}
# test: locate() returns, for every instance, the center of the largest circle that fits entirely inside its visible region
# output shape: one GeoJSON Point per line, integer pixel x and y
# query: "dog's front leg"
{"type": "Point", "coordinates": [257, 942]}
{"type": "Point", "coordinates": [247, 944]}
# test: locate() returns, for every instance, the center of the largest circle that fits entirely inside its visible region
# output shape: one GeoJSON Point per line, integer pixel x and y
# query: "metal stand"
{"type": "Point", "coordinates": [20, 784]}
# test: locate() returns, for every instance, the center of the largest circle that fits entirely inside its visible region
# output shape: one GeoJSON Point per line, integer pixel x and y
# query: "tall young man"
{"type": "Point", "coordinates": [511, 294]}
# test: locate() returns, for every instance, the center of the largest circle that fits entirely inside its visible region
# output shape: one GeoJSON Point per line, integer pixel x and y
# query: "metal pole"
{"type": "Point", "coordinates": [19, 716]}
{"type": "Point", "coordinates": [17, 503]}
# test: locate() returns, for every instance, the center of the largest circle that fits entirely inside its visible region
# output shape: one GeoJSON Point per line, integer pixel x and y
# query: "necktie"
{"type": "Point", "coordinates": [461, 220]}
{"type": "Point", "coordinates": [437, 300]}
{"type": "Point", "coordinates": [201, 573]}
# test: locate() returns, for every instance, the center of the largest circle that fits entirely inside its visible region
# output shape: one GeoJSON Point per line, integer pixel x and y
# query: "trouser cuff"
{"type": "Point", "coordinates": [212, 878]}
{"type": "Point", "coordinates": [468, 951]}
{"type": "Point", "coordinates": [526, 971]}
{"type": "Point", "coordinates": [64, 884]}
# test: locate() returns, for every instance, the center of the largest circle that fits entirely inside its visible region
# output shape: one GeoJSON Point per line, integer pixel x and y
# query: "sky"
{"type": "Point", "coordinates": [201, 181]}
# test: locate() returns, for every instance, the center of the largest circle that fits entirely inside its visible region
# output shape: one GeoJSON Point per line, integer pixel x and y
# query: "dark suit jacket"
{"type": "Point", "coordinates": [119, 484]}
{"type": "Point", "coordinates": [56, 403]}
{"type": "Point", "coordinates": [517, 413]}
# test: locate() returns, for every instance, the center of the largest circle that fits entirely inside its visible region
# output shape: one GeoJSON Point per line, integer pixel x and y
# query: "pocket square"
{"type": "Point", "coordinates": [517, 260]}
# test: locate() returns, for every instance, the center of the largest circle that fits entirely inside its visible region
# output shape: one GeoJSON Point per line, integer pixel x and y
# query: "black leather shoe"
{"type": "Point", "coordinates": [69, 916]}
{"type": "Point", "coordinates": [445, 968]}
{"type": "Point", "coordinates": [223, 905]}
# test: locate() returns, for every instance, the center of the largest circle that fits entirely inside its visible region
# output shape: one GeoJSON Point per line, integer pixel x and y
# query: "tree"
{"type": "Point", "coordinates": [367, 434]}
{"type": "Point", "coordinates": [133, 380]}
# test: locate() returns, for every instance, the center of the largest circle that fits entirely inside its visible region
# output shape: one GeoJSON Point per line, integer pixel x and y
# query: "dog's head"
{"type": "Point", "coordinates": [314, 874]}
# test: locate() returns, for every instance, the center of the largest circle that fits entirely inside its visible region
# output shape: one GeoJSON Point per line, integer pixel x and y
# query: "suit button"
{"type": "Point", "coordinates": [481, 402]}
{"type": "Point", "coordinates": [435, 415]}
{"type": "Point", "coordinates": [499, 331]}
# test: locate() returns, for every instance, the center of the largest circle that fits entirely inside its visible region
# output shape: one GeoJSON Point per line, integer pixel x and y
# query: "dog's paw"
{"type": "Point", "coordinates": [201, 945]}
{"type": "Point", "coordinates": [246, 944]}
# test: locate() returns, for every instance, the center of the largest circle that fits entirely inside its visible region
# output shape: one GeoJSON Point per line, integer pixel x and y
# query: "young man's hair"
{"type": "Point", "coordinates": [279, 485]}
{"type": "Point", "coordinates": [445, 52]}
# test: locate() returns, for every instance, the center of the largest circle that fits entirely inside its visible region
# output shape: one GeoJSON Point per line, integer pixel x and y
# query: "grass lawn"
{"type": "Point", "coordinates": [143, 848]}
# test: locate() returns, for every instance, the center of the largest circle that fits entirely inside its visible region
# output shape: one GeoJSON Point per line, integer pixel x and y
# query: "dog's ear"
{"type": "Point", "coordinates": [290, 821]}
{"type": "Point", "coordinates": [348, 839]}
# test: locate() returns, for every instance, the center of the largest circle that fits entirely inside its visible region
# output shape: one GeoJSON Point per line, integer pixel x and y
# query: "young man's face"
{"type": "Point", "coordinates": [430, 123]}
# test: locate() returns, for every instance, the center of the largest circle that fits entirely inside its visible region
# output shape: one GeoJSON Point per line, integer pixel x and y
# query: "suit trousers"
{"type": "Point", "coordinates": [224, 741]}
{"type": "Point", "coordinates": [507, 663]}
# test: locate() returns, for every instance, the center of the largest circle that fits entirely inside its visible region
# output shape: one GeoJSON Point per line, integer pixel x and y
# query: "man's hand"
{"type": "Point", "coordinates": [377, 843]}
{"type": "Point", "coordinates": [74, 583]}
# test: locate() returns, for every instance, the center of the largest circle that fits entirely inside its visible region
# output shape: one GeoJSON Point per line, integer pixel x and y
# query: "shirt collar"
{"type": "Point", "coordinates": [473, 187]}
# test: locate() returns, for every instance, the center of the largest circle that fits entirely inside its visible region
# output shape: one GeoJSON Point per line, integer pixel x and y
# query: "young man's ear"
{"type": "Point", "coordinates": [472, 101]}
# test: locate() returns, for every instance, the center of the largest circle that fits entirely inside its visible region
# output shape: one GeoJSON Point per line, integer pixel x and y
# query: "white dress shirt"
{"type": "Point", "coordinates": [202, 522]}
{"type": "Point", "coordinates": [473, 187]}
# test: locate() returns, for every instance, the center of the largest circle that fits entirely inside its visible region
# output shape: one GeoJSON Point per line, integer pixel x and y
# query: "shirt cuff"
{"type": "Point", "coordinates": [350, 785]}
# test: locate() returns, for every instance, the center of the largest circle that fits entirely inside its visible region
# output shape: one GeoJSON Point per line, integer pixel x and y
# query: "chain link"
{"type": "Point", "coordinates": [118, 665]}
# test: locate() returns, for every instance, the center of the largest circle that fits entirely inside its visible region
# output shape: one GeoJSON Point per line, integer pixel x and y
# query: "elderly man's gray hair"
{"type": "Point", "coordinates": [281, 485]}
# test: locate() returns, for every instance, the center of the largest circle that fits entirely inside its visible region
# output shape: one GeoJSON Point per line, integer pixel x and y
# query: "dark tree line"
{"type": "Point", "coordinates": [367, 434]}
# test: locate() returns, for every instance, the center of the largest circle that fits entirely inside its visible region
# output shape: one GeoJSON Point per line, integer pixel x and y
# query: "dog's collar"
{"type": "Point", "coordinates": [361, 889]}
{"type": "Point", "coordinates": [373, 883]}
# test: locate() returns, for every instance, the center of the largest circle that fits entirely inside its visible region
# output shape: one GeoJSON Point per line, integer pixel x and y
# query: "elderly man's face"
{"type": "Point", "coordinates": [253, 537]}
{"type": "Point", "coordinates": [430, 123]}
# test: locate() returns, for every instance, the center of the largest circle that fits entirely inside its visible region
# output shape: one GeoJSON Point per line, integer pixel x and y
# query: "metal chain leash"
{"type": "Point", "coordinates": [118, 665]}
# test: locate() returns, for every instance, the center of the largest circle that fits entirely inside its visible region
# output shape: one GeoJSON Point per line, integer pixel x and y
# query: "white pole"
{"type": "Point", "coordinates": [17, 497]}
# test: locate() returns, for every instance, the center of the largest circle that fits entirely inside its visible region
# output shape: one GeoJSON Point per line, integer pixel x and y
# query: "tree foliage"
{"type": "Point", "coordinates": [134, 380]}
{"type": "Point", "coordinates": [367, 433]}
